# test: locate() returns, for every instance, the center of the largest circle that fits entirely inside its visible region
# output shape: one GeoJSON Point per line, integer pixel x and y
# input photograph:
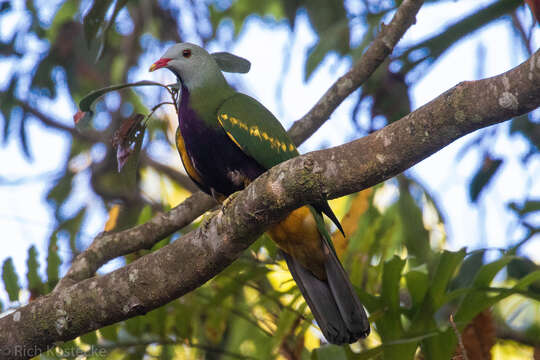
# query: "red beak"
{"type": "Point", "coordinates": [159, 64]}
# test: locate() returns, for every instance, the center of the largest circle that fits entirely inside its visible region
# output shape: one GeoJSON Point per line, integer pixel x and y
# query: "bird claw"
{"type": "Point", "coordinates": [224, 203]}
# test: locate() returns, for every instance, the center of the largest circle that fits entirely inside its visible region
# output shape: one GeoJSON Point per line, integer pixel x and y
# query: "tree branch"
{"type": "Point", "coordinates": [164, 275]}
{"type": "Point", "coordinates": [377, 52]}
{"type": "Point", "coordinates": [107, 246]}
{"type": "Point", "coordinates": [299, 132]}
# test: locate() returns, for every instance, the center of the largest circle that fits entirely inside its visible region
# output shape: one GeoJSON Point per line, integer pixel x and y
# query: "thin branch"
{"type": "Point", "coordinates": [521, 31]}
{"type": "Point", "coordinates": [107, 246]}
{"type": "Point", "coordinates": [88, 135]}
{"type": "Point", "coordinates": [176, 269]}
{"type": "Point", "coordinates": [376, 53]}
{"type": "Point", "coordinates": [458, 336]}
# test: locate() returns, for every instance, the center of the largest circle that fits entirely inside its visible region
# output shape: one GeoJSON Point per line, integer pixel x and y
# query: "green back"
{"type": "Point", "coordinates": [255, 130]}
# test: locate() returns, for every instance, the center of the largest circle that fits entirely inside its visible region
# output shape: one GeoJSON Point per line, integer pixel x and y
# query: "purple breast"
{"type": "Point", "coordinates": [219, 162]}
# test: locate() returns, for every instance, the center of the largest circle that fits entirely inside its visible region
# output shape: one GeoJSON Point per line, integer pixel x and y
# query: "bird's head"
{"type": "Point", "coordinates": [195, 67]}
{"type": "Point", "coordinates": [190, 63]}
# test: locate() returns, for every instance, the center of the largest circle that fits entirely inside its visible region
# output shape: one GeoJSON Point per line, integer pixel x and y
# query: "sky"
{"type": "Point", "coordinates": [25, 218]}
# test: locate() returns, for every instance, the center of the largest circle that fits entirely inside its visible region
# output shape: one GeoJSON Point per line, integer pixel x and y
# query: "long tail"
{"type": "Point", "coordinates": [334, 303]}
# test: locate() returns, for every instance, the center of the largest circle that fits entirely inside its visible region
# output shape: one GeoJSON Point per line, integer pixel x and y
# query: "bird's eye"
{"type": "Point", "coordinates": [186, 53]}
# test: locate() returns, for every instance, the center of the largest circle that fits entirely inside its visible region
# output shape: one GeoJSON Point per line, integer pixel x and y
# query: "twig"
{"type": "Point", "coordinates": [521, 31]}
{"type": "Point", "coordinates": [107, 246]}
{"type": "Point", "coordinates": [458, 336]}
{"type": "Point", "coordinates": [88, 135]}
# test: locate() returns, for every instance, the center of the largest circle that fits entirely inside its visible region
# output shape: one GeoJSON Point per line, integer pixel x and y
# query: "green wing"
{"type": "Point", "coordinates": [255, 130]}
{"type": "Point", "coordinates": [260, 135]}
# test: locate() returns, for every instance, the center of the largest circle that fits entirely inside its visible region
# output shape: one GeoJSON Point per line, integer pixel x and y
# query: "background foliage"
{"type": "Point", "coordinates": [395, 251]}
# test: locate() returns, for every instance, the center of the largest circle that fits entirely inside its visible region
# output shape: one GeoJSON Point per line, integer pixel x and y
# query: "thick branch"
{"type": "Point", "coordinates": [377, 52]}
{"type": "Point", "coordinates": [302, 129]}
{"type": "Point", "coordinates": [164, 275]}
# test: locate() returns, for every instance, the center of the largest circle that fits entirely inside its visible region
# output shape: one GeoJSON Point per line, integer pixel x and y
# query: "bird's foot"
{"type": "Point", "coordinates": [207, 217]}
{"type": "Point", "coordinates": [230, 198]}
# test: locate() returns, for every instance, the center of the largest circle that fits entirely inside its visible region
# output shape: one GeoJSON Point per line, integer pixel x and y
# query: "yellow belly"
{"type": "Point", "coordinates": [298, 236]}
{"type": "Point", "coordinates": [186, 160]}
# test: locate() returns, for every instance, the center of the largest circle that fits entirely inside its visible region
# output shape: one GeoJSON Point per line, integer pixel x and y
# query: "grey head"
{"type": "Point", "coordinates": [195, 67]}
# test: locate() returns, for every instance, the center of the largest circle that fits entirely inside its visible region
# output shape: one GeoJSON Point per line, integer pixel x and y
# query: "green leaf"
{"type": "Point", "coordinates": [23, 136]}
{"type": "Point", "coordinates": [530, 206]}
{"type": "Point", "coordinates": [527, 280]}
{"type": "Point", "coordinates": [167, 353]}
{"type": "Point", "coordinates": [63, 15]}
{"type": "Point", "coordinates": [145, 214]}
{"type": "Point", "coordinates": [135, 325]}
{"type": "Point", "coordinates": [446, 267]}
{"type": "Point", "coordinates": [73, 227]}
{"type": "Point", "coordinates": [483, 176]}
{"type": "Point", "coordinates": [487, 272]}
{"type": "Point", "coordinates": [390, 326]}
{"type": "Point", "coordinates": [374, 353]}
{"type": "Point", "coordinates": [390, 283]}
{"type": "Point", "coordinates": [7, 100]}
{"type": "Point", "coordinates": [521, 266]}
{"type": "Point", "coordinates": [478, 299]}
{"type": "Point", "coordinates": [329, 352]}
{"type": "Point", "coordinates": [58, 194]}
{"type": "Point", "coordinates": [53, 262]}
{"type": "Point", "coordinates": [95, 17]}
{"type": "Point", "coordinates": [284, 326]}
{"type": "Point", "coordinates": [35, 284]}
{"type": "Point", "coordinates": [5, 6]}
{"type": "Point", "coordinates": [468, 270]}
{"type": "Point", "coordinates": [89, 338]}
{"type": "Point", "coordinates": [417, 284]}
{"type": "Point", "coordinates": [416, 237]}
{"type": "Point", "coordinates": [11, 280]}
{"type": "Point", "coordinates": [110, 332]}
{"type": "Point", "coordinates": [528, 128]}
{"type": "Point", "coordinates": [103, 43]}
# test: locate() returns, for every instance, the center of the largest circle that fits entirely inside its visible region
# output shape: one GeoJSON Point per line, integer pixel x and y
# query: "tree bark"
{"type": "Point", "coordinates": [174, 270]}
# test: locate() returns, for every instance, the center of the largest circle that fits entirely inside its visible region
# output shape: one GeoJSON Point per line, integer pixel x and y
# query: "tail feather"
{"type": "Point", "coordinates": [349, 305]}
{"type": "Point", "coordinates": [334, 304]}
